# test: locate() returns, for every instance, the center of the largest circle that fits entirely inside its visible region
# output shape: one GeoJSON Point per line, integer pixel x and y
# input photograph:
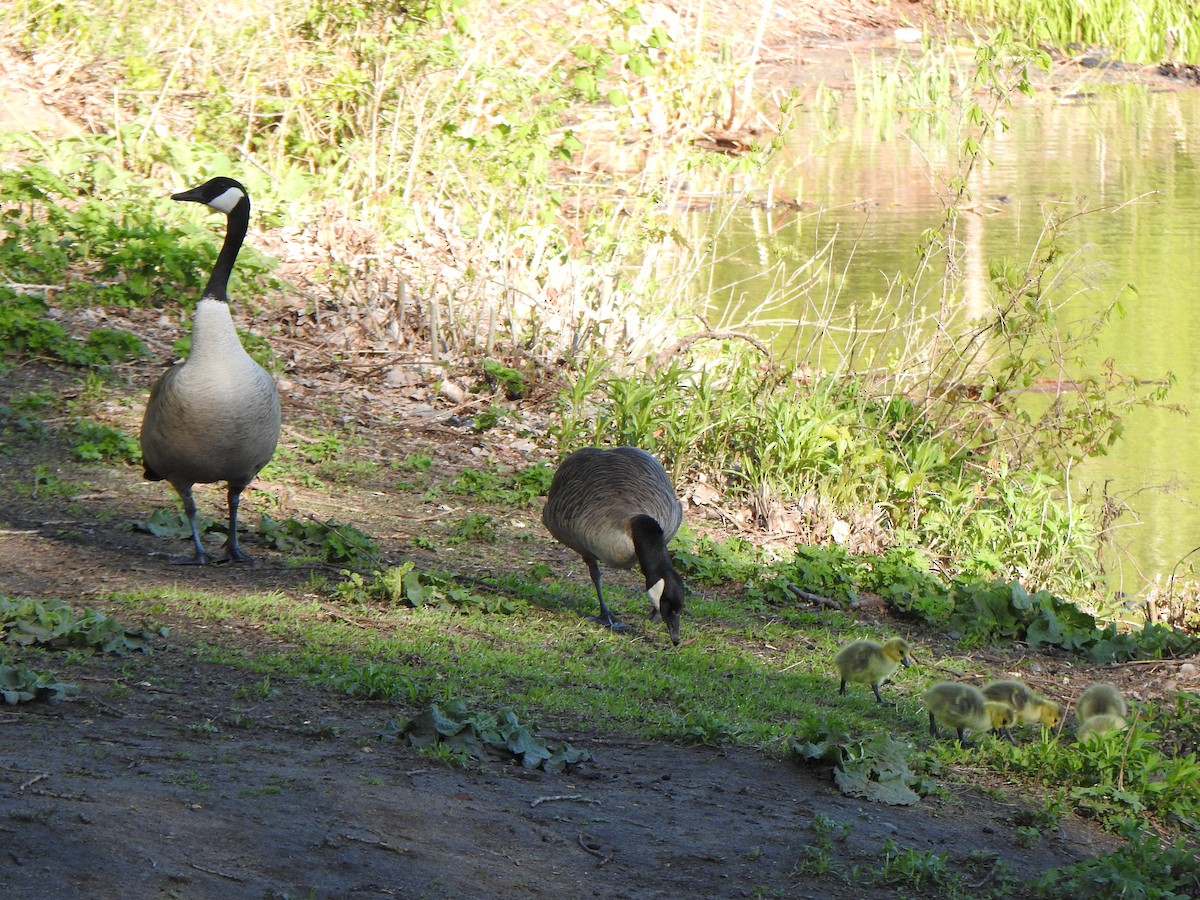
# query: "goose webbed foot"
{"type": "Point", "coordinates": [234, 554]}
{"type": "Point", "coordinates": [199, 558]}
{"type": "Point", "coordinates": [608, 622]}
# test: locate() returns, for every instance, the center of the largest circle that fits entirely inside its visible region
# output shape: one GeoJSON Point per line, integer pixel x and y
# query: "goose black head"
{"type": "Point", "coordinates": [221, 193]}
{"type": "Point", "coordinates": [666, 601]}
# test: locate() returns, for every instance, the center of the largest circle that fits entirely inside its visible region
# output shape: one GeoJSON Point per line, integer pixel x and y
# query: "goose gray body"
{"type": "Point", "coordinates": [617, 507]}
{"type": "Point", "coordinates": [214, 417]}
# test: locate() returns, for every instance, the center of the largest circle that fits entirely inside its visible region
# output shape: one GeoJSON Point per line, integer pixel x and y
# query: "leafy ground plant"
{"type": "Point", "coordinates": [876, 768]}
{"type": "Point", "coordinates": [473, 734]}
{"type": "Point", "coordinates": [19, 684]}
{"type": "Point", "coordinates": [51, 623]}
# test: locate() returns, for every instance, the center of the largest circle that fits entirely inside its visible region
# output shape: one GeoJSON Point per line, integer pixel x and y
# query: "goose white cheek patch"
{"type": "Point", "coordinates": [655, 592]}
{"type": "Point", "coordinates": [226, 201]}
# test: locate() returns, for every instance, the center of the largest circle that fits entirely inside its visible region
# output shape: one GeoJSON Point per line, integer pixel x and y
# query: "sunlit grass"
{"type": "Point", "coordinates": [1142, 31]}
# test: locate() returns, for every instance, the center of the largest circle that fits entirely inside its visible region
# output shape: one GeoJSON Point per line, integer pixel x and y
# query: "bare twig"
{"type": "Point", "coordinates": [34, 780]}
{"type": "Point", "coordinates": [372, 842]}
{"type": "Point", "coordinates": [557, 797]}
{"type": "Point", "coordinates": [216, 872]}
{"type": "Point", "coordinates": [595, 851]}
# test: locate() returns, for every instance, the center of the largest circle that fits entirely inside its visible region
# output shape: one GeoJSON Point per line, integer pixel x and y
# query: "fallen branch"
{"type": "Point", "coordinates": [34, 780]}
{"type": "Point", "coordinates": [216, 872]}
{"type": "Point", "coordinates": [576, 797]}
{"type": "Point", "coordinates": [595, 851]}
{"type": "Point", "coordinates": [371, 842]}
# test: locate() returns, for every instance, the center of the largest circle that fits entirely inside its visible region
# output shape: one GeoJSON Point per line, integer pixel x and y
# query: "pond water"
{"type": "Point", "coordinates": [1130, 155]}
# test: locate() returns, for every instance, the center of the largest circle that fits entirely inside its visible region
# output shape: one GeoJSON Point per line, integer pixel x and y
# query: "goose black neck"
{"type": "Point", "coordinates": [237, 223]}
{"type": "Point", "coordinates": [650, 546]}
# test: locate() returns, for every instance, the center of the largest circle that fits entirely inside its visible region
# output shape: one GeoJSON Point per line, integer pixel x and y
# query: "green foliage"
{"type": "Point", "coordinates": [333, 541]}
{"type": "Point", "coordinates": [51, 623]}
{"type": "Point", "coordinates": [404, 585]}
{"type": "Point", "coordinates": [876, 768]}
{"type": "Point", "coordinates": [1146, 31]}
{"type": "Point", "coordinates": [375, 681]}
{"type": "Point", "coordinates": [835, 449]}
{"type": "Point", "coordinates": [26, 329]}
{"type": "Point", "coordinates": [979, 612]}
{"type": "Point", "coordinates": [510, 380]}
{"type": "Point", "coordinates": [99, 234]}
{"type": "Point", "coordinates": [19, 684]}
{"type": "Point", "coordinates": [520, 488]}
{"type": "Point", "coordinates": [474, 734]}
{"type": "Point", "coordinates": [1116, 775]}
{"type": "Point", "coordinates": [93, 442]}
{"type": "Point", "coordinates": [172, 523]}
{"type": "Point", "coordinates": [1141, 869]}
{"type": "Point", "coordinates": [476, 527]}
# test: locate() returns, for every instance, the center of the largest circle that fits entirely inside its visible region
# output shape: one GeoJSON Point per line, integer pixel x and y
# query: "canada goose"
{"type": "Point", "coordinates": [617, 506]}
{"type": "Point", "coordinates": [1028, 706]}
{"type": "Point", "coordinates": [1100, 723]}
{"type": "Point", "coordinates": [1100, 699]}
{"type": "Point", "coordinates": [214, 417]}
{"type": "Point", "coordinates": [867, 662]}
{"type": "Point", "coordinates": [961, 706]}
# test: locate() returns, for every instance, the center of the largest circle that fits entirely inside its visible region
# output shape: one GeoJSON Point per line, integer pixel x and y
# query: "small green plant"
{"type": "Point", "coordinates": [519, 488]}
{"type": "Point", "coordinates": [333, 541]}
{"type": "Point", "coordinates": [375, 681]}
{"type": "Point", "coordinates": [453, 726]}
{"type": "Point", "coordinates": [19, 684]}
{"type": "Point", "coordinates": [52, 623]}
{"type": "Point", "coordinates": [93, 442]}
{"type": "Point", "coordinates": [406, 585]}
{"type": "Point", "coordinates": [509, 380]}
{"type": "Point", "coordinates": [1142, 868]}
{"type": "Point", "coordinates": [876, 768]}
{"type": "Point", "coordinates": [476, 527]}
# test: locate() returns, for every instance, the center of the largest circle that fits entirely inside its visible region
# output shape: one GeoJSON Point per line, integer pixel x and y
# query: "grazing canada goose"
{"type": "Point", "coordinates": [617, 506]}
{"type": "Point", "coordinates": [214, 417]}
{"type": "Point", "coordinates": [1100, 699]}
{"type": "Point", "coordinates": [1028, 706]}
{"type": "Point", "coordinates": [1100, 723]}
{"type": "Point", "coordinates": [961, 706]}
{"type": "Point", "coordinates": [868, 662]}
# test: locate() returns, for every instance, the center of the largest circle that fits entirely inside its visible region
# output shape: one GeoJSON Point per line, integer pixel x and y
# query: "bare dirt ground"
{"type": "Point", "coordinates": [174, 775]}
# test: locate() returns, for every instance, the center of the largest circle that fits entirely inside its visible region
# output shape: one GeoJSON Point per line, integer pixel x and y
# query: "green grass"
{"type": "Point", "coordinates": [1141, 31]}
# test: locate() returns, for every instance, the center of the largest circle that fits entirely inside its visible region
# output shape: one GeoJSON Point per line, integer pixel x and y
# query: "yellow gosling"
{"type": "Point", "coordinates": [961, 706]}
{"type": "Point", "coordinates": [869, 662]}
{"type": "Point", "coordinates": [1101, 723]}
{"type": "Point", "coordinates": [1100, 699]}
{"type": "Point", "coordinates": [1029, 706]}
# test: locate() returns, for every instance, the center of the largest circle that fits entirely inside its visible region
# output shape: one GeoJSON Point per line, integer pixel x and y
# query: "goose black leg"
{"type": "Point", "coordinates": [189, 509]}
{"type": "Point", "coordinates": [233, 553]}
{"type": "Point", "coordinates": [606, 617]}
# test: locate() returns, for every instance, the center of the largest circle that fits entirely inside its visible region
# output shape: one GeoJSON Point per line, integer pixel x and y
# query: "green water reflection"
{"type": "Point", "coordinates": [868, 198]}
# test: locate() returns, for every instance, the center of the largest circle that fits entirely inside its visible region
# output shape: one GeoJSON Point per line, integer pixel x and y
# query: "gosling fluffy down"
{"type": "Point", "coordinates": [869, 662]}
{"type": "Point", "coordinates": [1028, 706]}
{"type": "Point", "coordinates": [1101, 723]}
{"type": "Point", "coordinates": [1100, 699]}
{"type": "Point", "coordinates": [961, 706]}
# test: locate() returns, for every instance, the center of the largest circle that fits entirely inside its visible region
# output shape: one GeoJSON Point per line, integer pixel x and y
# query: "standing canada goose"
{"type": "Point", "coordinates": [617, 506]}
{"type": "Point", "coordinates": [214, 417]}
{"type": "Point", "coordinates": [868, 662]}
{"type": "Point", "coordinates": [1100, 699]}
{"type": "Point", "coordinates": [961, 706]}
{"type": "Point", "coordinates": [1028, 706]}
